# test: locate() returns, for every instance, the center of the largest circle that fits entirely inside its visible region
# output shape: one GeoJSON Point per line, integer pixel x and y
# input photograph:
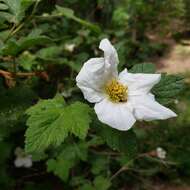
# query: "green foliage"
{"type": "Point", "coordinates": [27, 60]}
{"type": "Point", "coordinates": [16, 9]}
{"type": "Point", "coordinates": [99, 164]}
{"type": "Point", "coordinates": [122, 141]}
{"type": "Point", "coordinates": [168, 88]}
{"type": "Point", "coordinates": [67, 159]}
{"type": "Point", "coordinates": [43, 45]}
{"type": "Point", "coordinates": [50, 122]}
{"type": "Point", "coordinates": [99, 182]}
{"type": "Point", "coordinates": [143, 68]}
{"type": "Point", "coordinates": [14, 47]}
{"type": "Point", "coordinates": [69, 13]}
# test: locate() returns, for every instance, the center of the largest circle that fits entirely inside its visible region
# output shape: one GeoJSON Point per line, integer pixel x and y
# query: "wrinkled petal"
{"type": "Point", "coordinates": [91, 79]}
{"type": "Point", "coordinates": [140, 83]}
{"type": "Point", "coordinates": [110, 55]}
{"type": "Point", "coordinates": [96, 72]}
{"type": "Point", "coordinates": [116, 115]}
{"type": "Point", "coordinates": [146, 108]}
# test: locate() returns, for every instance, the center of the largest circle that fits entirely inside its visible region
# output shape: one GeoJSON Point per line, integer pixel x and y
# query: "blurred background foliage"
{"type": "Point", "coordinates": [43, 45]}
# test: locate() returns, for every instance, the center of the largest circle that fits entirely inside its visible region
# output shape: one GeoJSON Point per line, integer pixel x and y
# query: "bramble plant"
{"type": "Point", "coordinates": [45, 120]}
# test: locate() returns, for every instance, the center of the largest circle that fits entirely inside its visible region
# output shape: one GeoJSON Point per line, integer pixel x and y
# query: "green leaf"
{"type": "Point", "coordinates": [87, 186]}
{"type": "Point", "coordinates": [45, 125]}
{"type": "Point", "coordinates": [17, 9]}
{"type": "Point", "coordinates": [143, 68]}
{"type": "Point", "coordinates": [69, 13]}
{"type": "Point", "coordinates": [77, 119]}
{"type": "Point", "coordinates": [27, 61]}
{"type": "Point", "coordinates": [168, 88]}
{"type": "Point", "coordinates": [70, 154]}
{"type": "Point", "coordinates": [13, 47]}
{"type": "Point", "coordinates": [49, 52]}
{"type": "Point", "coordinates": [60, 167]}
{"type": "Point", "coordinates": [102, 183]}
{"type": "Point", "coordinates": [10, 48]}
{"type": "Point", "coordinates": [99, 164]}
{"type": "Point", "coordinates": [3, 6]}
{"type": "Point", "coordinates": [122, 141]}
{"type": "Point", "coordinates": [50, 122]}
{"type": "Point", "coordinates": [33, 40]}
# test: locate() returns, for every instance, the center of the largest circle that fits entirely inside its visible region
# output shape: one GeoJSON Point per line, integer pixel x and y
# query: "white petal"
{"type": "Point", "coordinates": [116, 115]}
{"type": "Point", "coordinates": [140, 83]}
{"type": "Point", "coordinates": [96, 72]}
{"type": "Point", "coordinates": [110, 55]}
{"type": "Point", "coordinates": [28, 162]}
{"type": "Point", "coordinates": [18, 162]}
{"type": "Point", "coordinates": [91, 78]}
{"type": "Point", "coordinates": [146, 108]}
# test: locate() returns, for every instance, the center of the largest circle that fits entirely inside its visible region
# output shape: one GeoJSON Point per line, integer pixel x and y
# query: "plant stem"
{"type": "Point", "coordinates": [15, 28]}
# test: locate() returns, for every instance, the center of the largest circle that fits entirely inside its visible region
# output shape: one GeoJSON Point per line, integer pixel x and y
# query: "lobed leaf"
{"type": "Point", "coordinates": [50, 122]}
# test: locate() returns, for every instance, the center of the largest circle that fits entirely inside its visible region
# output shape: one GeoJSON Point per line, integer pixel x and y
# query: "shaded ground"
{"type": "Point", "coordinates": [177, 60]}
{"type": "Point", "coordinates": [169, 187]}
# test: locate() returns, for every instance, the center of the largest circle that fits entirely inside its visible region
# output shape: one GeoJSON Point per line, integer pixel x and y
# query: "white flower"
{"type": "Point", "coordinates": [120, 99]}
{"type": "Point", "coordinates": [70, 47]}
{"type": "Point", "coordinates": [25, 162]}
{"type": "Point", "coordinates": [161, 153]}
{"type": "Point", "coordinates": [176, 101]}
{"type": "Point", "coordinates": [22, 159]}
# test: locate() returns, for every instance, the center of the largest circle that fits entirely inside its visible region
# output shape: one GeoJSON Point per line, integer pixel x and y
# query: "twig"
{"type": "Point", "coordinates": [11, 75]}
{"type": "Point", "coordinates": [105, 153]}
{"type": "Point", "coordinates": [124, 168]}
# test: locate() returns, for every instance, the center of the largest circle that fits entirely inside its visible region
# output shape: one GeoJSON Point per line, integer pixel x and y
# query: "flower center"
{"type": "Point", "coordinates": [117, 92]}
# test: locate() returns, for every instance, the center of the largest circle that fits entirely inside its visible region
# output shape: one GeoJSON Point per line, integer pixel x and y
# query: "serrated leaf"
{"type": "Point", "coordinates": [45, 125]}
{"type": "Point", "coordinates": [50, 122]}
{"type": "Point", "coordinates": [168, 88]}
{"type": "Point", "coordinates": [122, 141]}
{"type": "Point", "coordinates": [143, 68]}
{"type": "Point", "coordinates": [77, 119]}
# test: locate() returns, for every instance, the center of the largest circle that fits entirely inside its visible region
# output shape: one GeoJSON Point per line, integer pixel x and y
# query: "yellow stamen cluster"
{"type": "Point", "coordinates": [116, 91]}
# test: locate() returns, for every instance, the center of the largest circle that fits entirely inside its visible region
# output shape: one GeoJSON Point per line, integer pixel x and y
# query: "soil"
{"type": "Point", "coordinates": [177, 59]}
